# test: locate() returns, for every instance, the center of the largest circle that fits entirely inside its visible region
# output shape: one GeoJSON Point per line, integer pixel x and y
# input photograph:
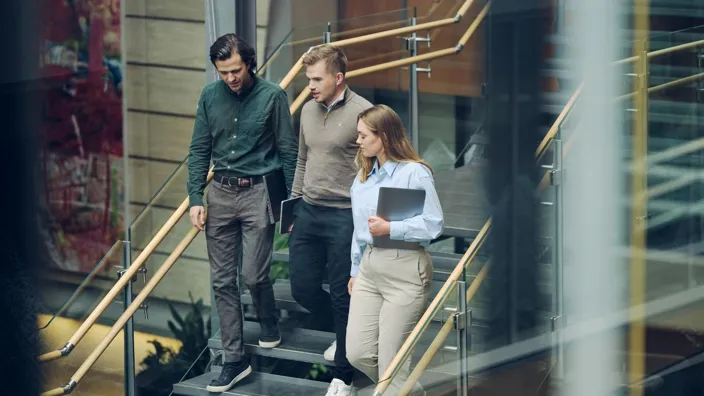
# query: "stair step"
{"type": "Point", "coordinates": [256, 384]}
{"type": "Point", "coordinates": [443, 263]}
{"type": "Point", "coordinates": [298, 344]}
{"type": "Point", "coordinates": [285, 300]}
{"type": "Point", "coordinates": [306, 345]}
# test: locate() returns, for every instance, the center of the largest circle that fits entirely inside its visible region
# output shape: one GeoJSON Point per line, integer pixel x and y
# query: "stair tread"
{"type": "Point", "coordinates": [256, 384]}
{"type": "Point", "coordinates": [443, 263]}
{"type": "Point", "coordinates": [297, 344]}
{"type": "Point", "coordinates": [306, 345]}
{"type": "Point", "coordinates": [285, 300]}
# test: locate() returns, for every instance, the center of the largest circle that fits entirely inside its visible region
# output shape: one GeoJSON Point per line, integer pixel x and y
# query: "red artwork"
{"type": "Point", "coordinates": [82, 158]}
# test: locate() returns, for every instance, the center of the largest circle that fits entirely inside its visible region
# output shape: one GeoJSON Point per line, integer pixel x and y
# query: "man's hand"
{"type": "Point", "coordinates": [198, 217]}
{"type": "Point", "coordinates": [379, 226]}
{"type": "Point", "coordinates": [350, 284]}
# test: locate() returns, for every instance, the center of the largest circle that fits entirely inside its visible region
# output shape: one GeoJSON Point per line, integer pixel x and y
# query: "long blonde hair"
{"type": "Point", "coordinates": [385, 123]}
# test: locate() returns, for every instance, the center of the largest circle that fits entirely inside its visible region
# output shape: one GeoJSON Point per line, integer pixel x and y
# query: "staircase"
{"type": "Point", "coordinates": [307, 346]}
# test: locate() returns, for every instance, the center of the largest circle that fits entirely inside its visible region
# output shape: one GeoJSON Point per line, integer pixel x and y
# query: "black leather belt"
{"type": "Point", "coordinates": [239, 181]}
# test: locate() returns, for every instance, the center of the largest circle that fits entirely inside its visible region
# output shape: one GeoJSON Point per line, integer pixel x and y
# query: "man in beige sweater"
{"type": "Point", "coordinates": [322, 231]}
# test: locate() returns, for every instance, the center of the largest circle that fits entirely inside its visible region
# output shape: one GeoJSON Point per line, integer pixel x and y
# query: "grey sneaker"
{"type": "Point", "coordinates": [231, 374]}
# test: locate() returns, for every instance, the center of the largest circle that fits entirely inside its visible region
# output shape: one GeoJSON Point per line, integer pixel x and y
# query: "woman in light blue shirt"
{"type": "Point", "coordinates": [389, 287]}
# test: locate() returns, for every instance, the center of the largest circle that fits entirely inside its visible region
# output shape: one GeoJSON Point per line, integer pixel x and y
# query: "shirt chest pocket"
{"type": "Point", "coordinates": [253, 125]}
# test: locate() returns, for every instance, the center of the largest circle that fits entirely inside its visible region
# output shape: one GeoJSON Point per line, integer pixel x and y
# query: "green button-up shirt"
{"type": "Point", "coordinates": [245, 134]}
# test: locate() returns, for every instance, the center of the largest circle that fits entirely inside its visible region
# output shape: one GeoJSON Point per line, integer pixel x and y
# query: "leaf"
{"type": "Point", "coordinates": [175, 315]}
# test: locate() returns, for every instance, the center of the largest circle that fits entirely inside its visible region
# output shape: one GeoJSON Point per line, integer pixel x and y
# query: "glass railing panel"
{"type": "Point", "coordinates": [451, 108]}
{"type": "Point", "coordinates": [675, 230]}
{"type": "Point", "coordinates": [74, 296]}
{"type": "Point", "coordinates": [107, 375]}
{"type": "Point", "coordinates": [177, 311]}
{"type": "Point", "coordinates": [673, 227]}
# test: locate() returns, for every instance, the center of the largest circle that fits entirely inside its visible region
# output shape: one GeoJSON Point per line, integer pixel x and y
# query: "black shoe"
{"type": "Point", "coordinates": [231, 374]}
{"type": "Point", "coordinates": [270, 337]}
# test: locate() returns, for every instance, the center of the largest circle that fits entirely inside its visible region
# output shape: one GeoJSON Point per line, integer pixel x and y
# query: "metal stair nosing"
{"type": "Point", "coordinates": [256, 384]}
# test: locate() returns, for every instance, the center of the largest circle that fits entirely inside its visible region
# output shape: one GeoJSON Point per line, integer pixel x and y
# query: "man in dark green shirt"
{"type": "Point", "coordinates": [243, 124]}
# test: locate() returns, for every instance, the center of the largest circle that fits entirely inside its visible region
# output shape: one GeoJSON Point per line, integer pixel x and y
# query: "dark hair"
{"type": "Point", "coordinates": [224, 47]}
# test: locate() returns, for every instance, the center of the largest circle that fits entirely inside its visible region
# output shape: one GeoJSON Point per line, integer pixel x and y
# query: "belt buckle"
{"type": "Point", "coordinates": [244, 181]}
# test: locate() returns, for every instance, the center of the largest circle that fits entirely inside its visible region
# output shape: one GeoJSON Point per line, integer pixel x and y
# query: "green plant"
{"type": "Point", "coordinates": [164, 367]}
{"type": "Point", "coordinates": [317, 371]}
{"type": "Point", "coordinates": [279, 269]}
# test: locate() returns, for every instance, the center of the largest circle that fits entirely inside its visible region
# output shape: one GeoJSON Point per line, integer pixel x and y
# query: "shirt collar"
{"type": "Point", "coordinates": [338, 100]}
{"type": "Point", "coordinates": [245, 91]}
{"type": "Point", "coordinates": [389, 167]}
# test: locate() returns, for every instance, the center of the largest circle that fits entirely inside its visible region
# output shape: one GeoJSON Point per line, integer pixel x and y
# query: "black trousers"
{"type": "Point", "coordinates": [321, 240]}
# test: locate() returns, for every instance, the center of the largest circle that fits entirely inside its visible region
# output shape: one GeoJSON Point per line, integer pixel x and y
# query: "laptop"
{"type": "Point", "coordinates": [287, 207]}
{"type": "Point", "coordinates": [397, 204]}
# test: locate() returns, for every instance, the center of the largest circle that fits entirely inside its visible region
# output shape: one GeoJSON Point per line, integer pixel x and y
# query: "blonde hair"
{"type": "Point", "coordinates": [385, 123]}
{"type": "Point", "coordinates": [334, 57]}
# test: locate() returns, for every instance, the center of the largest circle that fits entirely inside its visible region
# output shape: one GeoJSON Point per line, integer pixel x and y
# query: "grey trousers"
{"type": "Point", "coordinates": [237, 217]}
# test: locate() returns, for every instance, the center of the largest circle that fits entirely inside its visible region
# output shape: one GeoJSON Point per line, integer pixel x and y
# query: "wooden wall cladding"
{"type": "Point", "coordinates": [148, 175]}
{"type": "Point", "coordinates": [459, 75]}
{"type": "Point", "coordinates": [163, 90]}
{"type": "Point", "coordinates": [166, 42]}
{"type": "Point", "coordinates": [159, 136]}
{"type": "Point", "coordinates": [174, 9]}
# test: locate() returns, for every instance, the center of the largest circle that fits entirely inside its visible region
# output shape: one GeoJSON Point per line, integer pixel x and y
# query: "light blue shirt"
{"type": "Point", "coordinates": [423, 228]}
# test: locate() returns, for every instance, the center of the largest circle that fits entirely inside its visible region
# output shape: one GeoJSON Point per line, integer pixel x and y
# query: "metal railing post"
{"type": "Point", "coordinates": [326, 35]}
{"type": "Point", "coordinates": [558, 298]}
{"type": "Point", "coordinates": [413, 86]}
{"type": "Point", "coordinates": [462, 322]}
{"type": "Point", "coordinates": [129, 326]}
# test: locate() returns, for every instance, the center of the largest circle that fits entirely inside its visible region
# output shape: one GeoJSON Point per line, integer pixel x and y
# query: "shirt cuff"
{"type": "Point", "coordinates": [354, 270]}
{"type": "Point", "coordinates": [195, 200]}
{"type": "Point", "coordinates": [397, 232]}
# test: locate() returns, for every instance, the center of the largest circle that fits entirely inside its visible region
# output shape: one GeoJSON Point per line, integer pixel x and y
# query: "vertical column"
{"type": "Point", "coordinates": [246, 20]}
{"type": "Point", "coordinates": [593, 186]}
{"type": "Point", "coordinates": [636, 337]}
{"type": "Point", "coordinates": [515, 38]}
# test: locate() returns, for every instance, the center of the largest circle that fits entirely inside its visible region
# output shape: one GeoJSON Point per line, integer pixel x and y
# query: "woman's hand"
{"type": "Point", "coordinates": [379, 226]}
{"type": "Point", "coordinates": [350, 284]}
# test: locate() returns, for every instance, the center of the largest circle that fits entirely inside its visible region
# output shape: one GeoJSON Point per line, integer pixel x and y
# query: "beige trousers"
{"type": "Point", "coordinates": [389, 296]}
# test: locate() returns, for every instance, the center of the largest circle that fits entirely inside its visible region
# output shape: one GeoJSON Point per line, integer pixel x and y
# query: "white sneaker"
{"type": "Point", "coordinates": [339, 388]}
{"type": "Point", "coordinates": [329, 354]}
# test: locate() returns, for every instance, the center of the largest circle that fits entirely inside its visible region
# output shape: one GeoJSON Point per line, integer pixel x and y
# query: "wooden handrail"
{"type": "Point", "coordinates": [365, 29]}
{"type": "Point", "coordinates": [301, 98]}
{"type": "Point", "coordinates": [122, 320]}
{"type": "Point", "coordinates": [439, 341]}
{"type": "Point", "coordinates": [119, 285]}
{"type": "Point", "coordinates": [661, 52]}
{"type": "Point", "coordinates": [98, 268]}
{"type": "Point", "coordinates": [402, 30]}
{"type": "Point", "coordinates": [433, 36]}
